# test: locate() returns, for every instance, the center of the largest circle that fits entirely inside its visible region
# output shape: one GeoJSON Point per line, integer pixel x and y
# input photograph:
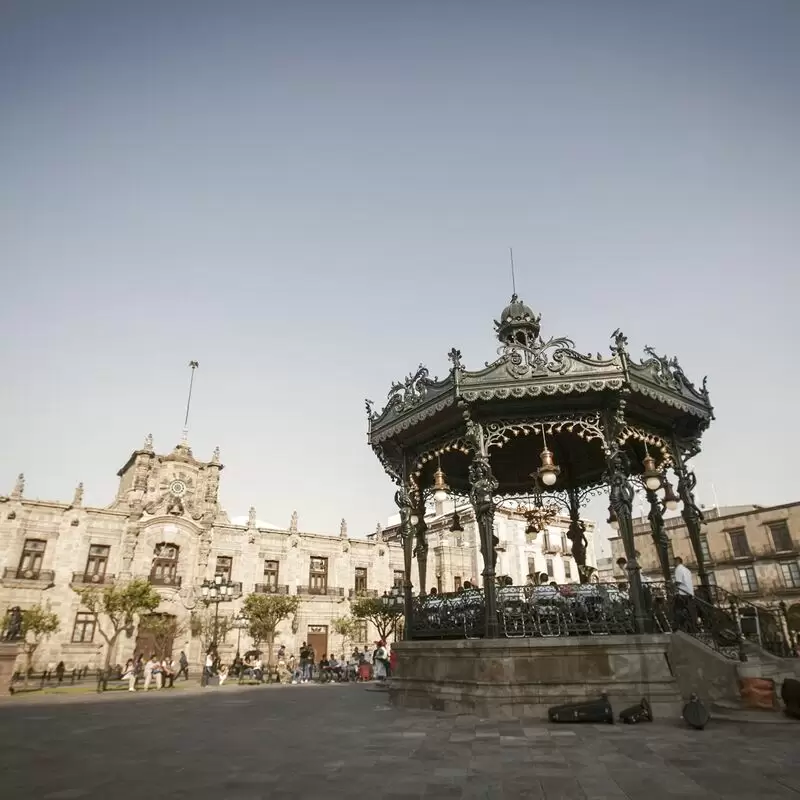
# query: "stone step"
{"type": "Point", "coordinates": [749, 715]}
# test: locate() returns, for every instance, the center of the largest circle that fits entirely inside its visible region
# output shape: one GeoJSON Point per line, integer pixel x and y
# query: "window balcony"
{"type": "Point", "coordinates": [321, 591]}
{"type": "Point", "coordinates": [270, 588]}
{"type": "Point", "coordinates": [355, 594]}
{"type": "Point", "coordinates": [46, 576]}
{"type": "Point", "coordinates": [168, 581]}
{"type": "Point", "coordinates": [84, 579]}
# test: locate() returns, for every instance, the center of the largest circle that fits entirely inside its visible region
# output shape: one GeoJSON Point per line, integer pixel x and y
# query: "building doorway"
{"type": "Point", "coordinates": [156, 635]}
{"type": "Point", "coordinates": [317, 637]}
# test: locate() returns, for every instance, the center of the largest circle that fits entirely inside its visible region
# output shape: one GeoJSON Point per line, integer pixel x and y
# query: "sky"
{"type": "Point", "coordinates": [311, 198]}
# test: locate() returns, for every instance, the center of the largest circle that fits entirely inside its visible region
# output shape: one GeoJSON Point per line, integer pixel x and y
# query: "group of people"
{"type": "Point", "coordinates": [360, 666]}
{"type": "Point", "coordinates": [160, 672]}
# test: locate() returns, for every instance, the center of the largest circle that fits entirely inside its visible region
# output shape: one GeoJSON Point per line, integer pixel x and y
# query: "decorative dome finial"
{"type": "Point", "coordinates": [518, 325]}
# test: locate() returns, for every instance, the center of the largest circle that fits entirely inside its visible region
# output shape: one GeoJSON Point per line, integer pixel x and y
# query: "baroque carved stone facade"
{"type": "Point", "coordinates": [166, 524]}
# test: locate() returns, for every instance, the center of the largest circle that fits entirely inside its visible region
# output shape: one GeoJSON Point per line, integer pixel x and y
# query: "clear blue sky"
{"type": "Point", "coordinates": [311, 198]}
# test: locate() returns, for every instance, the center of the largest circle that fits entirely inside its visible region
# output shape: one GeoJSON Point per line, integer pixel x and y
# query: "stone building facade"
{"type": "Point", "coordinates": [751, 551]}
{"type": "Point", "coordinates": [166, 524]}
{"type": "Point", "coordinates": [454, 557]}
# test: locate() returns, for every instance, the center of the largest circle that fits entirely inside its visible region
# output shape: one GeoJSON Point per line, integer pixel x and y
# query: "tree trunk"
{"type": "Point", "coordinates": [107, 660]}
{"type": "Point", "coordinates": [270, 639]}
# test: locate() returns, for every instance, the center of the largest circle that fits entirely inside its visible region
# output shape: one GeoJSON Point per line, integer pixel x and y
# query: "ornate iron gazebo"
{"type": "Point", "coordinates": [546, 421]}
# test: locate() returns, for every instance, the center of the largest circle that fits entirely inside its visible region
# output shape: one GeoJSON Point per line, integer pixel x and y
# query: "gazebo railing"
{"type": "Point", "coordinates": [595, 609]}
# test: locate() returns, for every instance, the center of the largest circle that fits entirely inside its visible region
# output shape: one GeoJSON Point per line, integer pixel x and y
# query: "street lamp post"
{"type": "Point", "coordinates": [216, 591]}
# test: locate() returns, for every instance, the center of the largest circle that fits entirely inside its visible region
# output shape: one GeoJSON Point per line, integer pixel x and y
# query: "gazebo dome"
{"type": "Point", "coordinates": [516, 311]}
{"type": "Point", "coordinates": [518, 324]}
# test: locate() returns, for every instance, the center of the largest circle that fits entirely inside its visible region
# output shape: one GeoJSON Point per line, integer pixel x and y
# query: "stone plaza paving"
{"type": "Point", "coordinates": [337, 741]}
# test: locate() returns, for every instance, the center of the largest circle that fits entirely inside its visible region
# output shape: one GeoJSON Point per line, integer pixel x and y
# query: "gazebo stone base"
{"type": "Point", "coordinates": [508, 678]}
{"type": "Point", "coordinates": [8, 657]}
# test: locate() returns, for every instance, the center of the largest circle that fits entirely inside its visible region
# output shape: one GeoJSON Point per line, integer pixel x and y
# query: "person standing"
{"type": "Point", "coordinates": [208, 668]}
{"type": "Point", "coordinates": [183, 663]}
{"type": "Point", "coordinates": [685, 617]}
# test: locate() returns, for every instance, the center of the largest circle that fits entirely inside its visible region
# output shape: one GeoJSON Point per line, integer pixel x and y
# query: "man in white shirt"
{"type": "Point", "coordinates": [683, 578]}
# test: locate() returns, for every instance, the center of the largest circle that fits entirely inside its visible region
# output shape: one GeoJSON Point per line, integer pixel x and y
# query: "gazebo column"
{"type": "Point", "coordinates": [577, 534]}
{"type": "Point", "coordinates": [482, 485]}
{"type": "Point", "coordinates": [621, 499]}
{"type": "Point", "coordinates": [421, 546]}
{"type": "Point", "coordinates": [660, 540]}
{"type": "Point", "coordinates": [403, 502]}
{"type": "Point", "coordinates": [692, 517]}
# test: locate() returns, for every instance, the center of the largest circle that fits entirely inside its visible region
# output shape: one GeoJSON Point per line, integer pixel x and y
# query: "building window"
{"type": "Point", "coordinates": [739, 544]}
{"type": "Point", "coordinates": [748, 580]}
{"type": "Point", "coordinates": [549, 566]}
{"type": "Point", "coordinates": [399, 578]}
{"type": "Point", "coordinates": [704, 549]}
{"type": "Point", "coordinates": [83, 630]}
{"type": "Point", "coordinates": [165, 564]}
{"type": "Point", "coordinates": [32, 556]}
{"type": "Point", "coordinates": [271, 574]}
{"type": "Point", "coordinates": [532, 568]}
{"type": "Point", "coordinates": [361, 580]}
{"type": "Point", "coordinates": [568, 570]}
{"type": "Point", "coordinates": [224, 568]}
{"type": "Point", "coordinates": [360, 634]}
{"type": "Point", "coordinates": [546, 542]}
{"type": "Point", "coordinates": [97, 561]}
{"type": "Point", "coordinates": [564, 543]}
{"type": "Point", "coordinates": [712, 579]}
{"type": "Point", "coordinates": [318, 575]}
{"type": "Point", "coordinates": [457, 582]}
{"type": "Point", "coordinates": [791, 575]}
{"type": "Point", "coordinates": [781, 537]}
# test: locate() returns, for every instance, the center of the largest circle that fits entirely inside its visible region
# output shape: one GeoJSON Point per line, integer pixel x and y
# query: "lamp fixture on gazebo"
{"type": "Point", "coordinates": [671, 500]}
{"type": "Point", "coordinates": [455, 524]}
{"type": "Point", "coordinates": [548, 471]}
{"type": "Point", "coordinates": [651, 477]}
{"type": "Point", "coordinates": [440, 490]}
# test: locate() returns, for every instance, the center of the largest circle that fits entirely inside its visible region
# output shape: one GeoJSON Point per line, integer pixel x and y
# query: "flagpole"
{"type": "Point", "coordinates": [193, 365]}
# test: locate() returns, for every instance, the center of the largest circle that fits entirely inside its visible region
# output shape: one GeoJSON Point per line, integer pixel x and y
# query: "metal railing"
{"type": "Point", "coordinates": [720, 621]}
{"type": "Point", "coordinates": [172, 581]}
{"type": "Point", "coordinates": [324, 591]}
{"type": "Point", "coordinates": [92, 579]}
{"type": "Point", "coordinates": [271, 588]}
{"type": "Point", "coordinates": [355, 594]}
{"type": "Point", "coordinates": [13, 573]}
{"type": "Point", "coordinates": [767, 627]}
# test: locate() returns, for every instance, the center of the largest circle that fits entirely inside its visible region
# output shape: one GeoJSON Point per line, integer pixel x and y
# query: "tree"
{"type": "Point", "coordinates": [264, 613]}
{"type": "Point", "coordinates": [206, 623]}
{"type": "Point", "coordinates": [346, 628]}
{"type": "Point", "coordinates": [384, 618]}
{"type": "Point", "coordinates": [38, 622]}
{"type": "Point", "coordinates": [115, 609]}
{"type": "Point", "coordinates": [164, 628]}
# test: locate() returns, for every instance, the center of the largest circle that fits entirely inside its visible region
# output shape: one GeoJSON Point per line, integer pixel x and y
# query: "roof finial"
{"type": "Point", "coordinates": [19, 487]}
{"type": "Point", "coordinates": [193, 365]}
{"type": "Point", "coordinates": [513, 275]}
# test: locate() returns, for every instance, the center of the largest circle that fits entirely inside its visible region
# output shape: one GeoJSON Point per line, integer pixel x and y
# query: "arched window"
{"type": "Point", "coordinates": [165, 565]}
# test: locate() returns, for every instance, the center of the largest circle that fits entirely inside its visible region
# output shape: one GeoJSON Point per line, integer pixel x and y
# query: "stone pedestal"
{"type": "Point", "coordinates": [8, 658]}
{"type": "Point", "coordinates": [524, 677]}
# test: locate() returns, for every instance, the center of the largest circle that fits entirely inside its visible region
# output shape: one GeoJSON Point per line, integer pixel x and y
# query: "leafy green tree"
{"type": "Point", "coordinates": [264, 613]}
{"type": "Point", "coordinates": [384, 618]}
{"type": "Point", "coordinates": [38, 622]}
{"type": "Point", "coordinates": [116, 608]}
{"type": "Point", "coordinates": [346, 628]}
